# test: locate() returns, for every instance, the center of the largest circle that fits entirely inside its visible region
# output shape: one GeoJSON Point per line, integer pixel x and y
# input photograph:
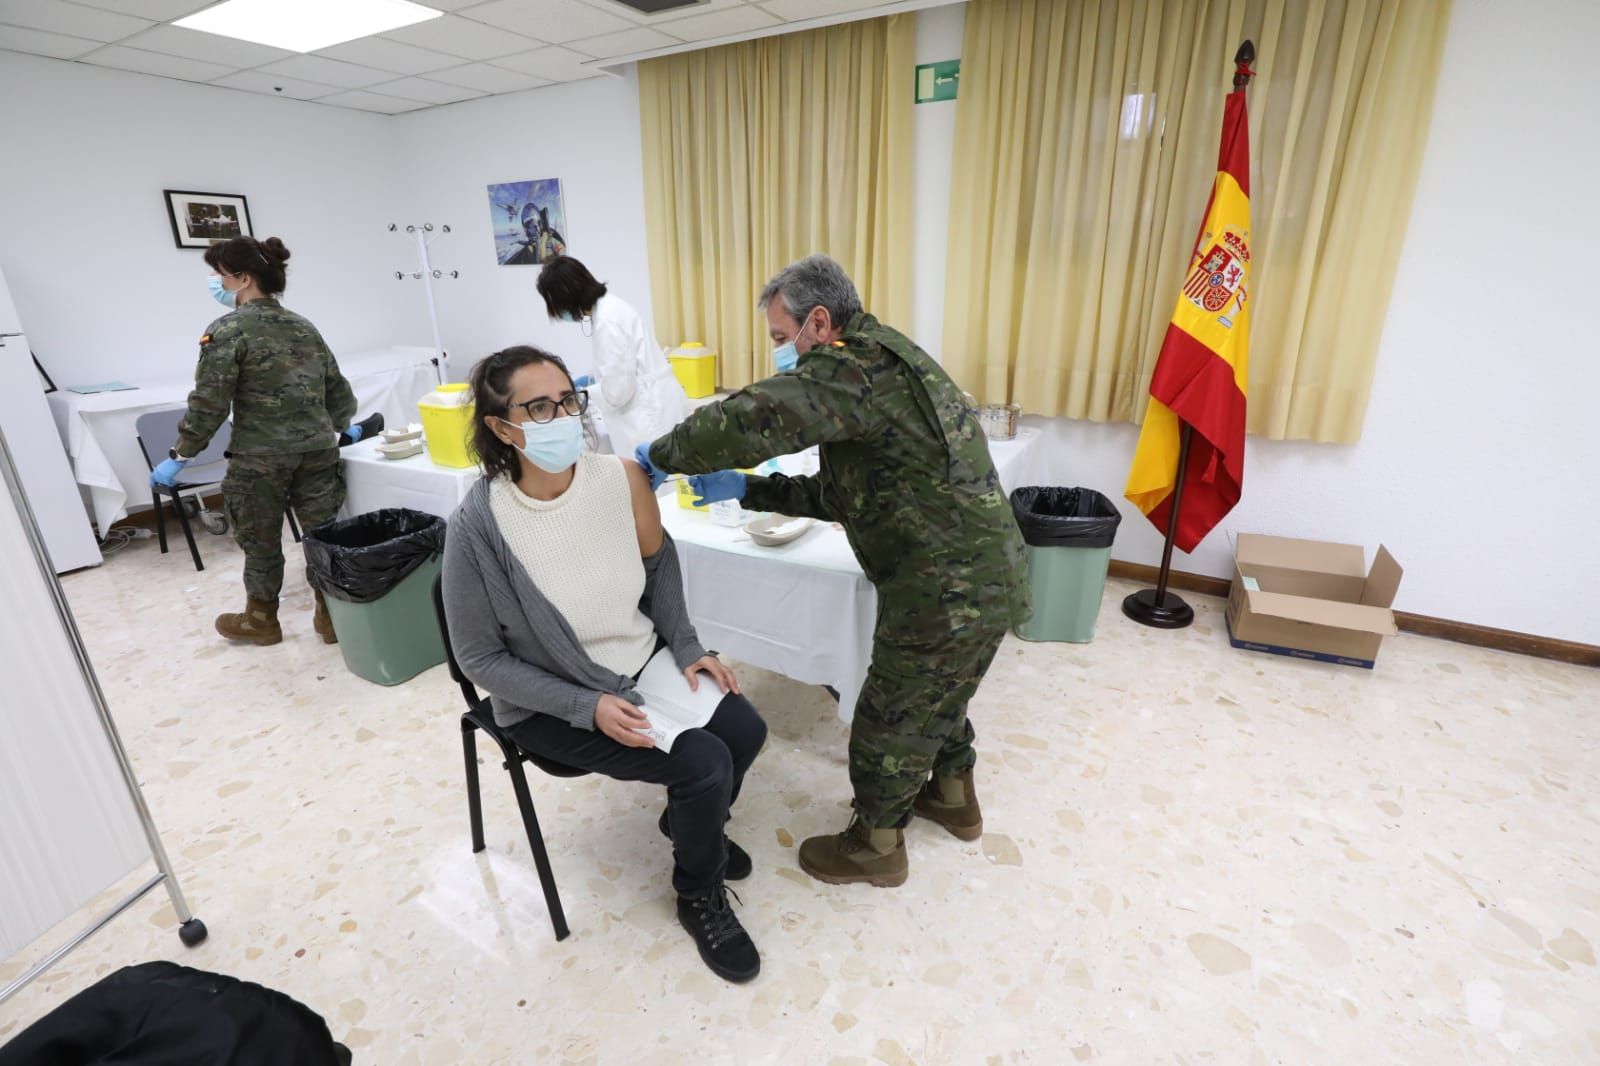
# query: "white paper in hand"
{"type": "Point", "coordinates": [668, 702]}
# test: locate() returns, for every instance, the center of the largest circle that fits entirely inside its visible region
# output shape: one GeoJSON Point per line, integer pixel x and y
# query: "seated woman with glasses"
{"type": "Point", "coordinates": [565, 602]}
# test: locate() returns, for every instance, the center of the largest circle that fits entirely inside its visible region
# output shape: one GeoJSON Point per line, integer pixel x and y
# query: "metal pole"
{"type": "Point", "coordinates": [433, 313]}
{"type": "Point", "coordinates": [55, 956]}
{"type": "Point", "coordinates": [1172, 522]}
{"type": "Point", "coordinates": [192, 930]}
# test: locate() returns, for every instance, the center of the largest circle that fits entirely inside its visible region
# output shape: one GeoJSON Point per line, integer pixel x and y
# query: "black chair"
{"type": "Point", "coordinates": [480, 716]}
{"type": "Point", "coordinates": [204, 470]}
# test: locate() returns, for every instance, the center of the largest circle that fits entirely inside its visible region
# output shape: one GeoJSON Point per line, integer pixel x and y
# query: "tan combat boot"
{"type": "Point", "coordinates": [953, 803]}
{"type": "Point", "coordinates": [857, 855]}
{"type": "Point", "coordinates": [322, 623]}
{"type": "Point", "coordinates": [258, 624]}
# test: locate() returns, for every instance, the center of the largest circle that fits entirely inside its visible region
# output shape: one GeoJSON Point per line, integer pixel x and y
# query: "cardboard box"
{"type": "Point", "coordinates": [1311, 599]}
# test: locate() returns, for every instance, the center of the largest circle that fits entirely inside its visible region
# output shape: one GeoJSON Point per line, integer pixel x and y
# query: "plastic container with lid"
{"type": "Point", "coordinates": [695, 366]}
{"type": "Point", "coordinates": [447, 424]}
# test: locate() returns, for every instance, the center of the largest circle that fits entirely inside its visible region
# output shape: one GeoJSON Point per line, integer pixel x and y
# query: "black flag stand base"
{"type": "Point", "coordinates": [1160, 608]}
{"type": "Point", "coordinates": [1149, 607]}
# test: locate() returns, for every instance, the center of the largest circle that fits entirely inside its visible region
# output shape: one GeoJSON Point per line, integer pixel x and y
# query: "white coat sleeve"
{"type": "Point", "coordinates": [615, 363]}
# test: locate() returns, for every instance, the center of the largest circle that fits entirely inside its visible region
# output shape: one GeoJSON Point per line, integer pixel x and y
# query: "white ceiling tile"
{"type": "Point", "coordinates": [155, 63]}
{"type": "Point", "coordinates": [381, 54]}
{"type": "Point", "coordinates": [556, 64]}
{"type": "Point", "coordinates": [40, 43]}
{"type": "Point", "coordinates": [207, 47]}
{"type": "Point", "coordinates": [56, 16]}
{"type": "Point", "coordinates": [256, 81]}
{"type": "Point", "coordinates": [638, 39]}
{"type": "Point", "coordinates": [364, 101]}
{"type": "Point", "coordinates": [800, 10]}
{"type": "Point", "coordinates": [328, 72]}
{"type": "Point", "coordinates": [464, 38]}
{"type": "Point", "coordinates": [556, 21]}
{"type": "Point", "coordinates": [160, 10]}
{"type": "Point", "coordinates": [665, 16]}
{"type": "Point", "coordinates": [429, 92]}
{"type": "Point", "coordinates": [721, 24]}
{"type": "Point", "coordinates": [490, 79]}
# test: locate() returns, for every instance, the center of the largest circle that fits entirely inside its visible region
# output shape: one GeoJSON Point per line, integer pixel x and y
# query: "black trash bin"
{"type": "Point", "coordinates": [1068, 533]}
{"type": "Point", "coordinates": [376, 572]}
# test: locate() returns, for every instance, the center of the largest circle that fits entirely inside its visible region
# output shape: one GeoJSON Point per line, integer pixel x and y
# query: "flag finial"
{"type": "Point", "coordinates": [1242, 60]}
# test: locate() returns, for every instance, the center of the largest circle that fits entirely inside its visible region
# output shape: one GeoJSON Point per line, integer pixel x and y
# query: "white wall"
{"type": "Point", "coordinates": [87, 245]}
{"type": "Point", "coordinates": [585, 133]}
{"type": "Point", "coordinates": [1478, 460]}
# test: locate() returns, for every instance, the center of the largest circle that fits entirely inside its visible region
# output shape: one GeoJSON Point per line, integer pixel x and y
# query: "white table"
{"type": "Point", "coordinates": [372, 482]}
{"type": "Point", "coordinates": [101, 439]}
{"type": "Point", "coordinates": [805, 609]}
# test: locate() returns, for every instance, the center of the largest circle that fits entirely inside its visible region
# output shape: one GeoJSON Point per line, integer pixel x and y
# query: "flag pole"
{"type": "Point", "coordinates": [1160, 608]}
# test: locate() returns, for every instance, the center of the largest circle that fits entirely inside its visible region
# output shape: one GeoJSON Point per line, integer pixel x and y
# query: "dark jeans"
{"type": "Point", "coordinates": [702, 773]}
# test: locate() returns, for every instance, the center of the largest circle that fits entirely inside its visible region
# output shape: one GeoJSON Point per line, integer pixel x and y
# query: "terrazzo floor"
{"type": "Point", "coordinates": [1194, 855]}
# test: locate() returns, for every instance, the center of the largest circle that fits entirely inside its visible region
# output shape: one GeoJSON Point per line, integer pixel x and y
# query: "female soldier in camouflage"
{"type": "Point", "coordinates": [289, 404]}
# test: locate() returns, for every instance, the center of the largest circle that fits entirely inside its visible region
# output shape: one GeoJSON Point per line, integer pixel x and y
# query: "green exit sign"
{"type": "Point", "coordinates": [938, 81]}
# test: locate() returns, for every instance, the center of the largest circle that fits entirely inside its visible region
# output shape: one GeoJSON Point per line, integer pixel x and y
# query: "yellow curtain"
{"type": "Point", "coordinates": [758, 153]}
{"type": "Point", "coordinates": [1086, 143]}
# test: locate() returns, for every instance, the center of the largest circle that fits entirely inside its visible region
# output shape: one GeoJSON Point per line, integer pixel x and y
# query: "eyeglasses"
{"type": "Point", "coordinates": [544, 410]}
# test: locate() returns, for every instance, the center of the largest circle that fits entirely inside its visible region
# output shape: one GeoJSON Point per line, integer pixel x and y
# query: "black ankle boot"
{"type": "Point", "coordinates": [724, 945]}
{"type": "Point", "coordinates": [739, 864]}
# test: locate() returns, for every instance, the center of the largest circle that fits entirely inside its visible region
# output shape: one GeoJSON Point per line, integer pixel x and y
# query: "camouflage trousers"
{"type": "Point", "coordinates": [256, 493]}
{"type": "Point", "coordinates": [911, 719]}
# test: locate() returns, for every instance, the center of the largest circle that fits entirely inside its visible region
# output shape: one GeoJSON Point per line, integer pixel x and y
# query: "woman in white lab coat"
{"type": "Point", "coordinates": [638, 394]}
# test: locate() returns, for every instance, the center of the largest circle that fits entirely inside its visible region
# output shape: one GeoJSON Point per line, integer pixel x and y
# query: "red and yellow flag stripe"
{"type": "Point", "coordinates": [1203, 369]}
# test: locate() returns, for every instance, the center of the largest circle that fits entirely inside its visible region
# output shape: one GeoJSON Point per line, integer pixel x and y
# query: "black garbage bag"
{"type": "Point", "coordinates": [171, 1015]}
{"type": "Point", "coordinates": [1065, 518]}
{"type": "Point", "coordinates": [361, 559]}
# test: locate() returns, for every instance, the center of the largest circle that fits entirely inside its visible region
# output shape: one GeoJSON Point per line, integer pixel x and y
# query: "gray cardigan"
{"type": "Point", "coordinates": [513, 642]}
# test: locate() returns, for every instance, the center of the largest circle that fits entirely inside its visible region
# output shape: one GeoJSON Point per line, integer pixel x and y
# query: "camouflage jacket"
{"type": "Point", "coordinates": [905, 467]}
{"type": "Point", "coordinates": [275, 372]}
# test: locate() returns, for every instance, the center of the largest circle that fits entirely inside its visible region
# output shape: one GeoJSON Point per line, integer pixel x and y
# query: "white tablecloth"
{"type": "Point", "coordinates": [372, 482]}
{"type": "Point", "coordinates": [804, 610]}
{"type": "Point", "coordinates": [100, 436]}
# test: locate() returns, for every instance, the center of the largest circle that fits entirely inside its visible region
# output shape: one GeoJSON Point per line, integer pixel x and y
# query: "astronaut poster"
{"type": "Point", "coordinates": [530, 221]}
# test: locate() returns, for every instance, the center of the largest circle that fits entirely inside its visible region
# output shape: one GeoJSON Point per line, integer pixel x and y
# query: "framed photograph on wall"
{"type": "Point", "coordinates": [530, 222]}
{"type": "Point", "coordinates": [200, 219]}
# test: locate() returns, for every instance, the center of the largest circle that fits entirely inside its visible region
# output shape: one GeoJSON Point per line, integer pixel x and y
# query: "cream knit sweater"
{"type": "Point", "coordinates": [582, 551]}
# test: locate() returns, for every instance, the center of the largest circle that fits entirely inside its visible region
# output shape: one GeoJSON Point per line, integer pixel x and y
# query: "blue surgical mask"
{"type": "Point", "coordinates": [553, 446]}
{"type": "Point", "coordinates": [566, 316]}
{"type": "Point", "coordinates": [786, 357]}
{"type": "Point", "coordinates": [221, 295]}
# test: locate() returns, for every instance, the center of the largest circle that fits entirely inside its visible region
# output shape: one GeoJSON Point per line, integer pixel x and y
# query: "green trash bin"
{"type": "Point", "coordinates": [1068, 533]}
{"type": "Point", "coordinates": [376, 572]}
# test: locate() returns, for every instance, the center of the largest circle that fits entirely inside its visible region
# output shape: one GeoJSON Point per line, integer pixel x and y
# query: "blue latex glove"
{"type": "Point", "coordinates": [714, 488]}
{"type": "Point", "coordinates": [583, 382]}
{"type": "Point", "coordinates": [641, 455]}
{"type": "Point", "coordinates": [354, 432]}
{"type": "Point", "coordinates": [167, 473]}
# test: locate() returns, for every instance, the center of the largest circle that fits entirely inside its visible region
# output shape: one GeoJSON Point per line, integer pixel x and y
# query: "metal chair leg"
{"type": "Point", "coordinates": [552, 899]}
{"type": "Point", "coordinates": [161, 520]}
{"type": "Point", "coordinates": [469, 748]}
{"type": "Point", "coordinates": [188, 534]}
{"type": "Point", "coordinates": [294, 525]}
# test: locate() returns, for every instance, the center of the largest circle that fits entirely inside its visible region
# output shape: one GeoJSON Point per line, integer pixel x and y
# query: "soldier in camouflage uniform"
{"type": "Point", "coordinates": [289, 403]}
{"type": "Point", "coordinates": [907, 472]}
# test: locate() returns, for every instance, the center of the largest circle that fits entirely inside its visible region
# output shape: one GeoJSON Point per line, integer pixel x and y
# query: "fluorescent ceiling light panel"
{"type": "Point", "coordinates": [306, 25]}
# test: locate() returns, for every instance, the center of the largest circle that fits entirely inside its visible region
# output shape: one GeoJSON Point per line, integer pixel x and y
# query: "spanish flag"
{"type": "Point", "coordinates": [1202, 371]}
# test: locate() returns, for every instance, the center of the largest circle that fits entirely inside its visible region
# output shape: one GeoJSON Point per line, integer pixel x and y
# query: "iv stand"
{"type": "Point", "coordinates": [191, 930]}
{"type": "Point", "coordinates": [424, 235]}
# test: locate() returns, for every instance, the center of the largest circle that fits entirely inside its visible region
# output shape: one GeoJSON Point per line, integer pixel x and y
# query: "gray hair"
{"type": "Point", "coordinates": [815, 281]}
